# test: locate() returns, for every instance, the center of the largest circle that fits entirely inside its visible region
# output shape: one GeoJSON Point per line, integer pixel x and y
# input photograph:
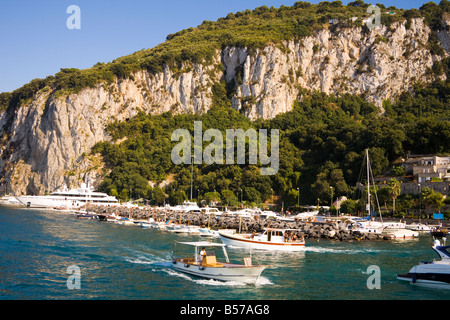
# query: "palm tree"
{"type": "Point", "coordinates": [394, 191]}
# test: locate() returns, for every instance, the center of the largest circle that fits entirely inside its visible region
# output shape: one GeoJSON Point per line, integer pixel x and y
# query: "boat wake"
{"type": "Point", "coordinates": [145, 258]}
{"type": "Point", "coordinates": [341, 251]}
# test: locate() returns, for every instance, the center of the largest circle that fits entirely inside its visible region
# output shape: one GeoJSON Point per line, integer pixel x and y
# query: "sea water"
{"type": "Point", "coordinates": [40, 248]}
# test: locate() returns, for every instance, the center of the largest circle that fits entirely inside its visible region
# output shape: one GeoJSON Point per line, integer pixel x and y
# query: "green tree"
{"type": "Point", "coordinates": [349, 206]}
{"type": "Point", "coordinates": [158, 195]}
{"type": "Point", "coordinates": [432, 200]}
{"type": "Point", "coordinates": [394, 191]}
{"type": "Point", "coordinates": [212, 197]}
{"type": "Point", "coordinates": [177, 197]}
{"type": "Point", "coordinates": [229, 197]}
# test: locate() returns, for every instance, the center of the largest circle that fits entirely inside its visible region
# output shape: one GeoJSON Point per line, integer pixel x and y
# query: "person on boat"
{"type": "Point", "coordinates": [202, 253]}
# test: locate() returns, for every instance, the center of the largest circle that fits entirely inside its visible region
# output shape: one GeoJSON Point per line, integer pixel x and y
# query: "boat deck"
{"type": "Point", "coordinates": [215, 264]}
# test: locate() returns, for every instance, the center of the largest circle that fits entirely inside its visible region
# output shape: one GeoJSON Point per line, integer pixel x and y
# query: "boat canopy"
{"type": "Point", "coordinates": [207, 244]}
{"type": "Point", "coordinates": [203, 243]}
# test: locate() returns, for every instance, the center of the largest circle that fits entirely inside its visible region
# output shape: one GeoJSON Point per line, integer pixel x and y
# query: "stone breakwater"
{"type": "Point", "coordinates": [309, 230]}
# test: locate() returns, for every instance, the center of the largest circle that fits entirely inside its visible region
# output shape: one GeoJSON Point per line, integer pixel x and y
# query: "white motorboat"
{"type": "Point", "coordinates": [266, 214]}
{"type": "Point", "coordinates": [182, 228]}
{"type": "Point", "coordinates": [158, 225]}
{"type": "Point", "coordinates": [401, 234]}
{"type": "Point", "coordinates": [177, 228]}
{"type": "Point", "coordinates": [366, 226]}
{"type": "Point", "coordinates": [268, 239]}
{"type": "Point", "coordinates": [213, 211]}
{"type": "Point", "coordinates": [208, 232]}
{"type": "Point", "coordinates": [398, 231]}
{"type": "Point", "coordinates": [242, 213]}
{"type": "Point", "coordinates": [208, 267]}
{"type": "Point", "coordinates": [421, 227]}
{"type": "Point", "coordinates": [306, 216]}
{"type": "Point", "coordinates": [186, 206]}
{"type": "Point", "coordinates": [434, 274]}
{"type": "Point", "coordinates": [126, 221]}
{"type": "Point", "coordinates": [70, 199]}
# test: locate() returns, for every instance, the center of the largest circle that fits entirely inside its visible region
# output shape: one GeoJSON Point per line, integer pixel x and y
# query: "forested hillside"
{"type": "Point", "coordinates": [317, 72]}
{"type": "Point", "coordinates": [321, 146]}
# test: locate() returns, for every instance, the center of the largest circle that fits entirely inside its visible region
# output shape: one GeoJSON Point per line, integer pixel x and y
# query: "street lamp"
{"type": "Point", "coordinates": [192, 173]}
{"type": "Point", "coordinates": [331, 203]}
{"type": "Point", "coordinates": [298, 198]}
{"type": "Point", "coordinates": [420, 201]}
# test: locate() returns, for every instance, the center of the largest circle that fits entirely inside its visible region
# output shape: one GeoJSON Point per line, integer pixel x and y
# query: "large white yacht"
{"type": "Point", "coordinates": [69, 199]}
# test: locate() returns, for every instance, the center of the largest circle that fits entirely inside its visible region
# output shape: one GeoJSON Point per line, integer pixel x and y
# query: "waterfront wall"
{"type": "Point", "coordinates": [337, 230]}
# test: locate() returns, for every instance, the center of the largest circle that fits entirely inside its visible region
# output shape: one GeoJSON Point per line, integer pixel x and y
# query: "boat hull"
{"type": "Point", "coordinates": [247, 274]}
{"type": "Point", "coordinates": [432, 274]}
{"type": "Point", "coordinates": [404, 234]}
{"type": "Point", "coordinates": [241, 242]}
{"type": "Point", "coordinates": [39, 202]}
{"type": "Point", "coordinates": [430, 280]}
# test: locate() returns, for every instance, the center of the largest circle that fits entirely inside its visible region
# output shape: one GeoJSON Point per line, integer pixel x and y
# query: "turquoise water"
{"type": "Point", "coordinates": [129, 262]}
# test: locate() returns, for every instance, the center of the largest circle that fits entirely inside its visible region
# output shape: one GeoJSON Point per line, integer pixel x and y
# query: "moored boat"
{"type": "Point", "coordinates": [268, 239]}
{"type": "Point", "coordinates": [420, 227]}
{"type": "Point", "coordinates": [70, 199]}
{"type": "Point", "coordinates": [439, 232]}
{"type": "Point", "coordinates": [401, 234]}
{"type": "Point", "coordinates": [207, 266]}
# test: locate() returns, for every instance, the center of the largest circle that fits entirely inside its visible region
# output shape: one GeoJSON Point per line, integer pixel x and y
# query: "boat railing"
{"type": "Point", "coordinates": [188, 260]}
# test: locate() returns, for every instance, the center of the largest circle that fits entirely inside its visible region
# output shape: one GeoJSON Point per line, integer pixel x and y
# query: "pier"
{"type": "Point", "coordinates": [334, 229]}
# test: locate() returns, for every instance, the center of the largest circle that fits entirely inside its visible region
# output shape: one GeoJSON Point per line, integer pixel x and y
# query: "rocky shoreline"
{"type": "Point", "coordinates": [337, 230]}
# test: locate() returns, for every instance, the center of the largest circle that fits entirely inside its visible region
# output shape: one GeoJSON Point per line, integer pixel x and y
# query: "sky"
{"type": "Point", "coordinates": [35, 40]}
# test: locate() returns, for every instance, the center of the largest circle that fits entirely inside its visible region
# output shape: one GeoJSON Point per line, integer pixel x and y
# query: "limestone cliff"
{"type": "Point", "coordinates": [45, 142]}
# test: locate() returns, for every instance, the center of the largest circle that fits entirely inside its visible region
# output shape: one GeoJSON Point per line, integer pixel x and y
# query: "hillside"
{"type": "Point", "coordinates": [260, 62]}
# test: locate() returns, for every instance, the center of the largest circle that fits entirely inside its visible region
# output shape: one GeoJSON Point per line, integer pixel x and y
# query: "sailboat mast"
{"type": "Point", "coordinates": [368, 182]}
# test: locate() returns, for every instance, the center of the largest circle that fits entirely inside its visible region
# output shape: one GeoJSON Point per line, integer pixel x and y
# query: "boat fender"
{"type": "Point", "coordinates": [174, 262]}
{"type": "Point", "coordinates": [414, 278]}
{"type": "Point", "coordinates": [201, 268]}
{"type": "Point", "coordinates": [186, 266]}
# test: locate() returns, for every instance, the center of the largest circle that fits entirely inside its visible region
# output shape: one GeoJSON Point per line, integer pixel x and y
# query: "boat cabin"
{"type": "Point", "coordinates": [277, 235]}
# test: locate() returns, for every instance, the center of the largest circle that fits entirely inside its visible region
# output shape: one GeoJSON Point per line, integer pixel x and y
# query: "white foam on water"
{"type": "Point", "coordinates": [340, 250]}
{"type": "Point", "coordinates": [211, 282]}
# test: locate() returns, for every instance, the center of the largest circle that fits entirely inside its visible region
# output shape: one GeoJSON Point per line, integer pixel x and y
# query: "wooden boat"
{"type": "Point", "coordinates": [87, 216]}
{"type": "Point", "coordinates": [208, 267]}
{"type": "Point", "coordinates": [439, 232]}
{"type": "Point", "coordinates": [268, 239]}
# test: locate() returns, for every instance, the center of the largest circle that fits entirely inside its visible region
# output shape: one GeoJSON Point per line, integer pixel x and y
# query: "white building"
{"type": "Point", "coordinates": [427, 167]}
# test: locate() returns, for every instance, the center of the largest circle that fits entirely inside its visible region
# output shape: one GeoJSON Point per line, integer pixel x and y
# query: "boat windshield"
{"type": "Point", "coordinates": [444, 250]}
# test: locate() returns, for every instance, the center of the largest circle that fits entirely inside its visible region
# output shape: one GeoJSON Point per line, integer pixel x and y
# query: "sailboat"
{"type": "Point", "coordinates": [394, 230]}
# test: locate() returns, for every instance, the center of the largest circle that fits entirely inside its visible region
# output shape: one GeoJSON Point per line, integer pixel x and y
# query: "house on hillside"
{"type": "Point", "coordinates": [428, 168]}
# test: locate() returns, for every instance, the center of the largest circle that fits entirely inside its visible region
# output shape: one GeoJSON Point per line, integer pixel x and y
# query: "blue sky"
{"type": "Point", "coordinates": [35, 41]}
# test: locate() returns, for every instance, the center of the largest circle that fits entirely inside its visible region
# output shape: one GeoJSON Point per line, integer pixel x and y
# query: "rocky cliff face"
{"type": "Point", "coordinates": [45, 142]}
